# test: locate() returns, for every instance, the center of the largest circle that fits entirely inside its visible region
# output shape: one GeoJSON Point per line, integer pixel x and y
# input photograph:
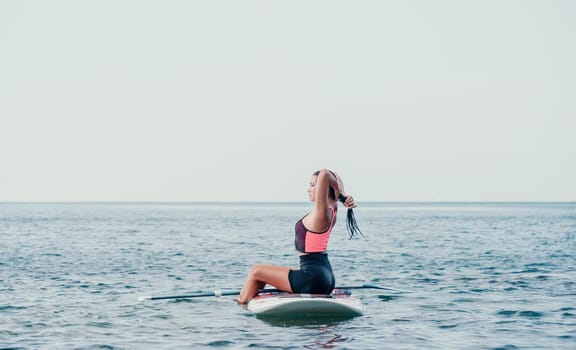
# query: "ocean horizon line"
{"type": "Point", "coordinates": [224, 202]}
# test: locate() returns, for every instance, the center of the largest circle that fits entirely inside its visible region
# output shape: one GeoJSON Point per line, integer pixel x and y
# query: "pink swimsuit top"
{"type": "Point", "coordinates": [307, 241]}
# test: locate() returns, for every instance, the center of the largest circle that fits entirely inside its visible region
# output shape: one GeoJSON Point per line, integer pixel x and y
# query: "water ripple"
{"type": "Point", "coordinates": [468, 276]}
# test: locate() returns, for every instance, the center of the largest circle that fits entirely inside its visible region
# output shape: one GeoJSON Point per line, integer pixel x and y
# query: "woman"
{"type": "Point", "coordinates": [312, 233]}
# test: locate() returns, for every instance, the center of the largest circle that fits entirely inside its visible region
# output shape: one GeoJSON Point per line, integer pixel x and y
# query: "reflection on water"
{"type": "Point", "coordinates": [303, 321]}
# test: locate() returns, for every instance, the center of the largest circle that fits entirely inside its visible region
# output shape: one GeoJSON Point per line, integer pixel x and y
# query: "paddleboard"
{"type": "Point", "coordinates": [279, 304]}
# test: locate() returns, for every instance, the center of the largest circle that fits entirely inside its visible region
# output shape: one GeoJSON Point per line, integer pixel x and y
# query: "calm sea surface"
{"type": "Point", "coordinates": [473, 276]}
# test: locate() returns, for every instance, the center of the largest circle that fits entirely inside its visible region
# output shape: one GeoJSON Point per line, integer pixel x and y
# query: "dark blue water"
{"type": "Point", "coordinates": [474, 276]}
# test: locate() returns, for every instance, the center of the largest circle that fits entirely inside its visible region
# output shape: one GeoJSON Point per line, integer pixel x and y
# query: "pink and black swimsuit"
{"type": "Point", "coordinates": [315, 275]}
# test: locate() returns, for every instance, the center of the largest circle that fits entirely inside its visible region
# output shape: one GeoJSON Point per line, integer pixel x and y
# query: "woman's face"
{"type": "Point", "coordinates": [311, 188]}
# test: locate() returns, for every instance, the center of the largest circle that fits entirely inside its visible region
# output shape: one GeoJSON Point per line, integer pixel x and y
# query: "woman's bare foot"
{"type": "Point", "coordinates": [237, 301]}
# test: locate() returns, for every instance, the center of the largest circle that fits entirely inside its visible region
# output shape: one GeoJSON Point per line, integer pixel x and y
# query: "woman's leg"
{"type": "Point", "coordinates": [259, 276]}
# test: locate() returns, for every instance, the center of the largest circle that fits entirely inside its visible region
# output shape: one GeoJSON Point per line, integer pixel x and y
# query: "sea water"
{"type": "Point", "coordinates": [463, 275]}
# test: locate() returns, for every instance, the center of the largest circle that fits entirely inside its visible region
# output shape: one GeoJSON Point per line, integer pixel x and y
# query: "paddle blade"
{"type": "Point", "coordinates": [373, 286]}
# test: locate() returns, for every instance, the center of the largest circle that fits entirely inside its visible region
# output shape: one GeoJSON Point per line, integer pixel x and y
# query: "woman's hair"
{"type": "Point", "coordinates": [351, 224]}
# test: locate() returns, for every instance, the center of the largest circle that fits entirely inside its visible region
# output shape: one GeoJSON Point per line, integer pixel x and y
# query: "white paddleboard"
{"type": "Point", "coordinates": [338, 304]}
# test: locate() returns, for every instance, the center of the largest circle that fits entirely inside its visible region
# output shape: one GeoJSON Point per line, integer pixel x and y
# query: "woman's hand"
{"type": "Point", "coordinates": [349, 202]}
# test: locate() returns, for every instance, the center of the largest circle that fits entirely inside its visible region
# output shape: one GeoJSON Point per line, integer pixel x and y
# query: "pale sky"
{"type": "Point", "coordinates": [243, 100]}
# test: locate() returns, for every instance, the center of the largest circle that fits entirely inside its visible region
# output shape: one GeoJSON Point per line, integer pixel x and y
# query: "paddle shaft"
{"type": "Point", "coordinates": [219, 293]}
{"type": "Point", "coordinates": [216, 293]}
{"type": "Point", "coordinates": [373, 286]}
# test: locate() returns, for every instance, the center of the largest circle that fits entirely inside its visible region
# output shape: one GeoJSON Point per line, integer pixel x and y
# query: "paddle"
{"type": "Point", "coordinates": [219, 293]}
{"type": "Point", "coordinates": [216, 293]}
{"type": "Point", "coordinates": [373, 286]}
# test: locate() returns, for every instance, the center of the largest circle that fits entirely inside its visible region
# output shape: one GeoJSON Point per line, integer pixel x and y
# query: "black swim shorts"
{"type": "Point", "coordinates": [315, 275]}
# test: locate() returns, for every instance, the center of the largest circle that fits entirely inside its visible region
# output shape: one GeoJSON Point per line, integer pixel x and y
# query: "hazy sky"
{"type": "Point", "coordinates": [243, 100]}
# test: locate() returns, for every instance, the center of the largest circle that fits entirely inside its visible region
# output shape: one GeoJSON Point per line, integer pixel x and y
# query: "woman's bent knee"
{"type": "Point", "coordinates": [257, 272]}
